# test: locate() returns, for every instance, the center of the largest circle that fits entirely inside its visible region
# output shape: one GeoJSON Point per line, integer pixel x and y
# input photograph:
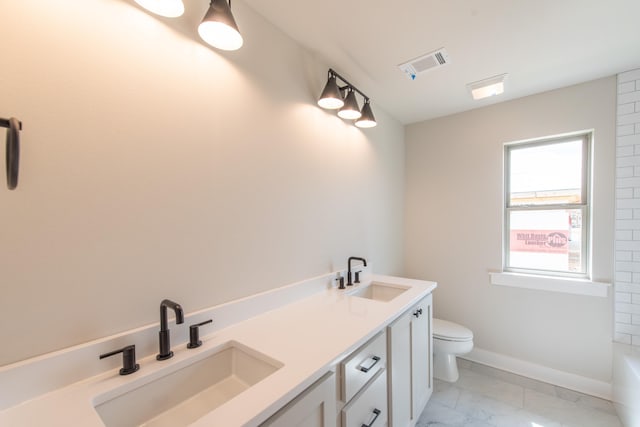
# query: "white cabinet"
{"type": "Point", "coordinates": [410, 364]}
{"type": "Point", "coordinates": [386, 382]}
{"type": "Point", "coordinates": [364, 385]}
{"type": "Point", "coordinates": [421, 356]}
{"type": "Point", "coordinates": [314, 407]}
{"type": "Point", "coordinates": [399, 373]}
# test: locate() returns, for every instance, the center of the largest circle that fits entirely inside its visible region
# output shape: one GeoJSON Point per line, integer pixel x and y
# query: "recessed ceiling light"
{"type": "Point", "coordinates": [487, 87]}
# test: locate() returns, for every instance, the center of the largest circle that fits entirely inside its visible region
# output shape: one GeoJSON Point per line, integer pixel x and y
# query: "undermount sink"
{"type": "Point", "coordinates": [378, 291]}
{"type": "Point", "coordinates": [187, 394]}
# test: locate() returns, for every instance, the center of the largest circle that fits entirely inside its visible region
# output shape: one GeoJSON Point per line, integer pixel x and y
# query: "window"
{"type": "Point", "coordinates": [547, 206]}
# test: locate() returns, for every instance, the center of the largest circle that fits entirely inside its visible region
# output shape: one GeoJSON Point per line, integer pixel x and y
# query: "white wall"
{"type": "Point", "coordinates": [155, 167]}
{"type": "Point", "coordinates": [627, 270]}
{"type": "Point", "coordinates": [454, 217]}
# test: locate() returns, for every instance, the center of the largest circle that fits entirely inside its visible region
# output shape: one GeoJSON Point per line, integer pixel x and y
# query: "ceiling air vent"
{"type": "Point", "coordinates": [424, 63]}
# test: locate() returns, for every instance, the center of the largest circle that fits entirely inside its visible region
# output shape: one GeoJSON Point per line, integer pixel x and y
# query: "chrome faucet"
{"type": "Point", "coordinates": [364, 261]}
{"type": "Point", "coordinates": [165, 341]}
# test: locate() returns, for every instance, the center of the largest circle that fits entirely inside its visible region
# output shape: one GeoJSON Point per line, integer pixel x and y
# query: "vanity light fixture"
{"type": "Point", "coordinates": [335, 97]}
{"type": "Point", "coordinates": [219, 28]}
{"type": "Point", "coordinates": [487, 87]}
{"type": "Point", "coordinates": [166, 8]}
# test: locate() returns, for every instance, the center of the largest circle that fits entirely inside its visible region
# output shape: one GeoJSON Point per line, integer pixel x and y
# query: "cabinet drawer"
{"type": "Point", "coordinates": [368, 408]}
{"type": "Point", "coordinates": [362, 365]}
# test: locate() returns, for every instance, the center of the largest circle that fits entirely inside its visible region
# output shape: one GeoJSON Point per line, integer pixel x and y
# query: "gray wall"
{"type": "Point", "coordinates": [453, 223]}
{"type": "Point", "coordinates": [155, 167]}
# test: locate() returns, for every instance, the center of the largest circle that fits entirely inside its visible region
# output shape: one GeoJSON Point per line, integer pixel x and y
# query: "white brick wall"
{"type": "Point", "coordinates": [627, 240]}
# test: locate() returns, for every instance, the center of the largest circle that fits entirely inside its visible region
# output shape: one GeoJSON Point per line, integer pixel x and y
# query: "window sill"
{"type": "Point", "coordinates": [553, 284]}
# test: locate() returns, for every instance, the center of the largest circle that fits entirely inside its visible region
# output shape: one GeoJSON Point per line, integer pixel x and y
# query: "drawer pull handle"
{"type": "Point", "coordinates": [375, 360]}
{"type": "Point", "coordinates": [376, 413]}
{"type": "Point", "coordinates": [418, 312]}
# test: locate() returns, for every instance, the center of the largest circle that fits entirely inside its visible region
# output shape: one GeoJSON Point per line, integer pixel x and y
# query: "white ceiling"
{"type": "Point", "coordinates": [541, 44]}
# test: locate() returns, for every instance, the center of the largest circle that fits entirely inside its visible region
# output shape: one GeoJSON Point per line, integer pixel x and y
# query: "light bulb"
{"type": "Point", "coordinates": [220, 35]}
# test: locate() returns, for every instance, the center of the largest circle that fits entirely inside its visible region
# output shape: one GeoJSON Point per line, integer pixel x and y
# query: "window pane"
{"type": "Point", "coordinates": [546, 240]}
{"type": "Point", "coordinates": [546, 174]}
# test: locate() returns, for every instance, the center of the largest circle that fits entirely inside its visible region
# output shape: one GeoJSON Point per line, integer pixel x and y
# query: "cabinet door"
{"type": "Point", "coordinates": [314, 407]}
{"type": "Point", "coordinates": [399, 374]}
{"type": "Point", "coordinates": [421, 355]}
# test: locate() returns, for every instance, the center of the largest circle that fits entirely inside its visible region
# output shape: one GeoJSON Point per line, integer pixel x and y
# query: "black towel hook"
{"type": "Point", "coordinates": [14, 126]}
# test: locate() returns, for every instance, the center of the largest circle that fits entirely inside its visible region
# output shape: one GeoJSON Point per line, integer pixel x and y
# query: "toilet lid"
{"type": "Point", "coordinates": [449, 331]}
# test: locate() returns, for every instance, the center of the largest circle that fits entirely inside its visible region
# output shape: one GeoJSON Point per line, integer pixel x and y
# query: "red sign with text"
{"type": "Point", "coordinates": [547, 241]}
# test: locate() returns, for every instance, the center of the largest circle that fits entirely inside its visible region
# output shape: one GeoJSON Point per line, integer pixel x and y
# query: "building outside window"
{"type": "Point", "coordinates": [547, 206]}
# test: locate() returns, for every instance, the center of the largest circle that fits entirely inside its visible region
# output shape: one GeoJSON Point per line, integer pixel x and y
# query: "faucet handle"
{"type": "Point", "coordinates": [129, 365]}
{"type": "Point", "coordinates": [340, 280]}
{"type": "Point", "coordinates": [194, 334]}
{"type": "Point", "coordinates": [357, 278]}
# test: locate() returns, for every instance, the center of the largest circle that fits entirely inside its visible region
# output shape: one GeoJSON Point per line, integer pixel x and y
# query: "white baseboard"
{"type": "Point", "coordinates": [537, 372]}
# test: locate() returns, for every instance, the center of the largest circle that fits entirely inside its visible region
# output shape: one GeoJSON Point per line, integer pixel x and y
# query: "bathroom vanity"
{"type": "Point", "coordinates": [307, 354]}
{"type": "Point", "coordinates": [387, 381]}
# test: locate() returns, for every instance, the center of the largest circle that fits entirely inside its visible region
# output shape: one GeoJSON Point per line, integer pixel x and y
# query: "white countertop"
{"type": "Point", "coordinates": [308, 337]}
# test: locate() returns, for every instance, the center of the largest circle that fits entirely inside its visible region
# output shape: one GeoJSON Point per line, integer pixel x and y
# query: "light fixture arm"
{"type": "Point", "coordinates": [347, 84]}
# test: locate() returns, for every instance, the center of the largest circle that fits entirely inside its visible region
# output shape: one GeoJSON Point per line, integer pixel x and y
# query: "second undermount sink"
{"type": "Point", "coordinates": [187, 394]}
{"type": "Point", "coordinates": [379, 291]}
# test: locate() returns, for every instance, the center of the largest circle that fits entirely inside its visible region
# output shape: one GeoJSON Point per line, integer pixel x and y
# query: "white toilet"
{"type": "Point", "coordinates": [449, 341]}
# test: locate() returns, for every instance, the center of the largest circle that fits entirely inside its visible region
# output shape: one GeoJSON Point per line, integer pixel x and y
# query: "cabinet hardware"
{"type": "Point", "coordinates": [14, 126]}
{"type": "Point", "coordinates": [365, 369]}
{"type": "Point", "coordinates": [418, 312]}
{"type": "Point", "coordinates": [376, 413]}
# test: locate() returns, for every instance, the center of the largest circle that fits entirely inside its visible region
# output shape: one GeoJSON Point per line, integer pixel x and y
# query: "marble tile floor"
{"type": "Point", "coordinates": [488, 397]}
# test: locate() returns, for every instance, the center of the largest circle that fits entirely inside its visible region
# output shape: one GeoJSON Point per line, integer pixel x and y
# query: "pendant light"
{"type": "Point", "coordinates": [366, 120]}
{"type": "Point", "coordinates": [350, 109]}
{"type": "Point", "coordinates": [167, 8]}
{"type": "Point", "coordinates": [218, 28]}
{"type": "Point", "coordinates": [331, 98]}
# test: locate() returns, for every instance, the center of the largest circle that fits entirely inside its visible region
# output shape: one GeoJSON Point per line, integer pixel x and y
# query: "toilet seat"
{"type": "Point", "coordinates": [449, 331]}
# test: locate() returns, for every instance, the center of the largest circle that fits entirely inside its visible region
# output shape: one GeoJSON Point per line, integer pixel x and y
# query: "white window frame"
{"type": "Point", "coordinates": [584, 205]}
{"type": "Point", "coordinates": [549, 280]}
